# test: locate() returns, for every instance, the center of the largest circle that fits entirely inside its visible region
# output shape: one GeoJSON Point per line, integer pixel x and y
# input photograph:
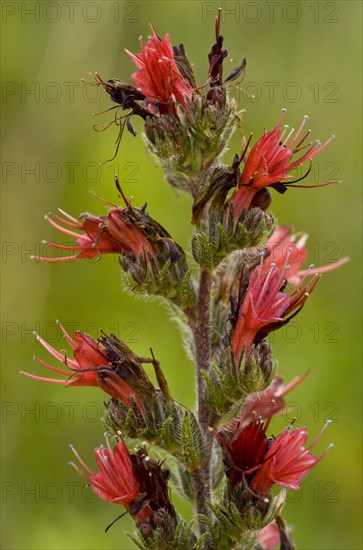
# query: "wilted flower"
{"type": "Point", "coordinates": [265, 306]}
{"type": "Point", "coordinates": [115, 233]}
{"type": "Point", "coordinates": [106, 363]}
{"type": "Point", "coordinates": [282, 244]}
{"type": "Point", "coordinates": [258, 462]}
{"type": "Point", "coordinates": [158, 77]}
{"type": "Point", "coordinates": [270, 162]}
{"type": "Point", "coordinates": [150, 256]}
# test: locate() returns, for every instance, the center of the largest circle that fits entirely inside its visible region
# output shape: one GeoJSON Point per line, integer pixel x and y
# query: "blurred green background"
{"type": "Point", "coordinates": [305, 56]}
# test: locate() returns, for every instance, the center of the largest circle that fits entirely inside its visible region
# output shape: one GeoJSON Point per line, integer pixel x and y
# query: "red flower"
{"type": "Point", "coordinates": [158, 77]}
{"type": "Point", "coordinates": [116, 481]}
{"type": "Point", "coordinates": [91, 366]}
{"type": "Point", "coordinates": [270, 162]}
{"type": "Point", "coordinates": [263, 404]}
{"type": "Point", "coordinates": [115, 233]}
{"type": "Point", "coordinates": [133, 480]}
{"type": "Point", "coordinates": [245, 452]}
{"type": "Point", "coordinates": [282, 244]}
{"type": "Point", "coordinates": [258, 462]}
{"type": "Point", "coordinates": [287, 460]}
{"type": "Point", "coordinates": [266, 307]}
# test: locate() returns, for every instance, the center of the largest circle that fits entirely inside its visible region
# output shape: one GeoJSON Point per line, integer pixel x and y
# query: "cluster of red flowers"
{"type": "Point", "coordinates": [259, 462]}
{"type": "Point", "coordinates": [264, 300]}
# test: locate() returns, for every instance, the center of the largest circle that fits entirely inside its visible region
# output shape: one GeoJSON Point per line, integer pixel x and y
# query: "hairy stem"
{"type": "Point", "coordinates": [201, 333]}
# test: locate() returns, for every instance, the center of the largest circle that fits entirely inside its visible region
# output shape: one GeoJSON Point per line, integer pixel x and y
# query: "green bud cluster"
{"type": "Point", "coordinates": [188, 146]}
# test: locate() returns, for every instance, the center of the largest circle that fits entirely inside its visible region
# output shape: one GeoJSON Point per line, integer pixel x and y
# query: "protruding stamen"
{"type": "Point", "coordinates": [80, 460]}
{"type": "Point", "coordinates": [62, 229]}
{"type": "Point", "coordinates": [288, 136]}
{"type": "Point", "coordinates": [327, 423]}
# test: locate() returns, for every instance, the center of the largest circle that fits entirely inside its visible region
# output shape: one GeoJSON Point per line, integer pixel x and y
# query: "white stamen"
{"type": "Point", "coordinates": [288, 136]}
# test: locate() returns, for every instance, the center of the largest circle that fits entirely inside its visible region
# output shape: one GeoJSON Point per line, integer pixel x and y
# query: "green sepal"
{"type": "Point", "coordinates": [219, 236]}
{"type": "Point", "coordinates": [169, 280]}
{"type": "Point", "coordinates": [227, 386]}
{"type": "Point", "coordinates": [189, 145]}
{"type": "Point", "coordinates": [236, 521]}
{"type": "Point", "coordinates": [173, 533]}
{"type": "Point", "coordinates": [192, 442]}
{"type": "Point", "coordinates": [161, 422]}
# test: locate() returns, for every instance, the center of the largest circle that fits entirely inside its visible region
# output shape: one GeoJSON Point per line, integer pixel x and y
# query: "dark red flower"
{"type": "Point", "coordinates": [116, 481]}
{"type": "Point", "coordinates": [271, 161]}
{"type": "Point", "coordinates": [258, 462]}
{"type": "Point", "coordinates": [282, 244]}
{"type": "Point", "coordinates": [245, 452]}
{"type": "Point", "coordinates": [158, 77]}
{"type": "Point", "coordinates": [115, 233]}
{"type": "Point", "coordinates": [92, 366]}
{"type": "Point", "coordinates": [266, 306]}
